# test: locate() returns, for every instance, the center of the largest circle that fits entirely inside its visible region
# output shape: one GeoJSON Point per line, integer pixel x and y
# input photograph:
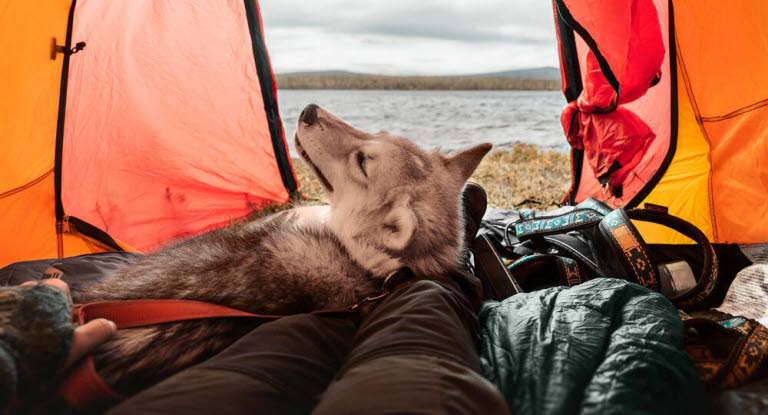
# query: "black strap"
{"type": "Point", "coordinates": [498, 284]}
{"type": "Point", "coordinates": [708, 279]}
{"type": "Point", "coordinates": [577, 250]}
{"type": "Point", "coordinates": [538, 271]}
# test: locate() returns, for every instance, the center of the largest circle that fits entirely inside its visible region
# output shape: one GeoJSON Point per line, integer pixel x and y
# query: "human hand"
{"type": "Point", "coordinates": [86, 337]}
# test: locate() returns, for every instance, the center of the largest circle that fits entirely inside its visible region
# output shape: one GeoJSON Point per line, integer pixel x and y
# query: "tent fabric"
{"type": "Point", "coordinates": [164, 126]}
{"type": "Point", "coordinates": [685, 185]}
{"type": "Point", "coordinates": [29, 107]}
{"type": "Point", "coordinates": [173, 145]}
{"type": "Point", "coordinates": [626, 128]}
{"type": "Point", "coordinates": [709, 113]}
{"type": "Point", "coordinates": [29, 81]}
{"type": "Point", "coordinates": [630, 45]}
{"type": "Point", "coordinates": [722, 51]}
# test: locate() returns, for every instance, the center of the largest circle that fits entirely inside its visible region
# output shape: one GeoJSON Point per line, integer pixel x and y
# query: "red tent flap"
{"type": "Point", "coordinates": [625, 58]}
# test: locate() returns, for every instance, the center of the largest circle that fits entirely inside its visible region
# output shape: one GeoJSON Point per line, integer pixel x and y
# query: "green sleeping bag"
{"type": "Point", "coordinates": [607, 346]}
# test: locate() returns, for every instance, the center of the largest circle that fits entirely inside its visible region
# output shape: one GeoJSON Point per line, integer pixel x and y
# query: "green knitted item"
{"type": "Point", "coordinates": [35, 337]}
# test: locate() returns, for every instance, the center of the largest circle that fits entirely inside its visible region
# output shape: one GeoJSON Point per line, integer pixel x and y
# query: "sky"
{"type": "Point", "coordinates": [409, 37]}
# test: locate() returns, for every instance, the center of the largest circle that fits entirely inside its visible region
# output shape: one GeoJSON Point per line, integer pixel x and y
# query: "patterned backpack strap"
{"type": "Point", "coordinates": [595, 205]}
{"type": "Point", "coordinates": [629, 255]}
{"type": "Point", "coordinates": [628, 249]}
{"type": "Point", "coordinates": [728, 351]}
{"type": "Point", "coordinates": [586, 214]}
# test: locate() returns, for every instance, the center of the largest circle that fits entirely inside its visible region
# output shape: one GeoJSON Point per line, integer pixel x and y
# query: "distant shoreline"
{"type": "Point", "coordinates": [362, 81]}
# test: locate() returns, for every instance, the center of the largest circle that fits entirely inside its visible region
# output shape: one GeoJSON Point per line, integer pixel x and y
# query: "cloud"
{"type": "Point", "coordinates": [409, 36]}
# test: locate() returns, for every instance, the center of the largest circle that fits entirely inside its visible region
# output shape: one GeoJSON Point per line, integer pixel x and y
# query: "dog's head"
{"type": "Point", "coordinates": [392, 203]}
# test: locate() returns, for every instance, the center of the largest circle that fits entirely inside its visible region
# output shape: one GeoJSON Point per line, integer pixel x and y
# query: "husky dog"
{"type": "Point", "coordinates": [392, 205]}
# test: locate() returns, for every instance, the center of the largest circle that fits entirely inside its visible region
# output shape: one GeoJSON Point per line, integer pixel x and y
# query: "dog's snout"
{"type": "Point", "coordinates": [309, 114]}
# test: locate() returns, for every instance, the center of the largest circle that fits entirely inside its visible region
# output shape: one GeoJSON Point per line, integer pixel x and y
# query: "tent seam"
{"type": "Point", "coordinates": [699, 121]}
{"type": "Point", "coordinates": [743, 110]}
{"type": "Point", "coordinates": [27, 185]}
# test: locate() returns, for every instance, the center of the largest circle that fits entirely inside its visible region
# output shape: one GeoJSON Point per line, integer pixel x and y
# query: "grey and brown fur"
{"type": "Point", "coordinates": [392, 205]}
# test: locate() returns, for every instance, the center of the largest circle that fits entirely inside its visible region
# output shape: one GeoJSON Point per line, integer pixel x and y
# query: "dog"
{"type": "Point", "coordinates": [391, 205]}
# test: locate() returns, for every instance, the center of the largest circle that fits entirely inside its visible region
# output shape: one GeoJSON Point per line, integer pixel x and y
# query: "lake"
{"type": "Point", "coordinates": [446, 119]}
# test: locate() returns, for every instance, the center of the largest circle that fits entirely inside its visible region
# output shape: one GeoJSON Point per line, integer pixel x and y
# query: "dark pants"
{"type": "Point", "coordinates": [414, 353]}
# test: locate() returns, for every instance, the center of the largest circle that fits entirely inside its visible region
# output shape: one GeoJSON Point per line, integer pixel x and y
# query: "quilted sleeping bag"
{"type": "Point", "coordinates": [607, 346]}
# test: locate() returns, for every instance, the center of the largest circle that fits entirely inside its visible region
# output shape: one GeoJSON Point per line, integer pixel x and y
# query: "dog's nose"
{"type": "Point", "coordinates": [309, 114]}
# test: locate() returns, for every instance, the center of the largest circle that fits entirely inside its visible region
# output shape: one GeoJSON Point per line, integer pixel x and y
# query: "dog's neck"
{"type": "Point", "coordinates": [380, 262]}
{"type": "Point", "coordinates": [425, 258]}
{"type": "Point", "coordinates": [372, 258]}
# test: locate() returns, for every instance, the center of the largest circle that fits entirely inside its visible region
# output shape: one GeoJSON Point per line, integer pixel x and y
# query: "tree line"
{"type": "Point", "coordinates": [353, 81]}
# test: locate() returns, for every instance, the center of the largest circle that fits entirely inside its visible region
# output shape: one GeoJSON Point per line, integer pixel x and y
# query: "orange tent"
{"type": "Point", "coordinates": [165, 124]}
{"type": "Point", "coordinates": [706, 111]}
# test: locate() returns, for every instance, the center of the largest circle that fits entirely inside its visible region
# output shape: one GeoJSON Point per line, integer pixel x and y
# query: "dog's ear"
{"type": "Point", "coordinates": [399, 225]}
{"type": "Point", "coordinates": [465, 162]}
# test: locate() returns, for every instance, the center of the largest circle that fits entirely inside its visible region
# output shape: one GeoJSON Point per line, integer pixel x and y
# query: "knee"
{"type": "Point", "coordinates": [425, 288]}
{"type": "Point", "coordinates": [439, 294]}
{"type": "Point", "coordinates": [416, 384]}
{"type": "Point", "coordinates": [430, 286]}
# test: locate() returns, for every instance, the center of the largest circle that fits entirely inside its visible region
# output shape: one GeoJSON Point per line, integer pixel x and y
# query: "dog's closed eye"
{"type": "Point", "coordinates": [392, 227]}
{"type": "Point", "coordinates": [361, 162]}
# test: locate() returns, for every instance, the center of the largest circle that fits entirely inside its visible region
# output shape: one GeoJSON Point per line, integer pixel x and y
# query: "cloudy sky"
{"type": "Point", "coordinates": [409, 37]}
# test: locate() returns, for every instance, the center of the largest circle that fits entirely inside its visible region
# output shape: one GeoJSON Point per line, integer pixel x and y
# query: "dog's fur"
{"type": "Point", "coordinates": [392, 205]}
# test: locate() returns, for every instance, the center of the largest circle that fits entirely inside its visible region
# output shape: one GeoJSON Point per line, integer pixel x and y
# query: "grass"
{"type": "Point", "coordinates": [521, 177]}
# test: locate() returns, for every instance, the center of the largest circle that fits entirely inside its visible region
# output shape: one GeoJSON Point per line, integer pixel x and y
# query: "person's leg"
{"type": "Point", "coordinates": [415, 353]}
{"type": "Point", "coordinates": [280, 367]}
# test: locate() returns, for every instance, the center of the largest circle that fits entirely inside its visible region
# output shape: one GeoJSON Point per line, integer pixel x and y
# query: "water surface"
{"type": "Point", "coordinates": [447, 119]}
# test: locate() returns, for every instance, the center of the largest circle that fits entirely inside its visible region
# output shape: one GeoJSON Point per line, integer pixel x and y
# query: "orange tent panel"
{"type": "Point", "coordinates": [29, 106]}
{"type": "Point", "coordinates": [28, 223]}
{"type": "Point", "coordinates": [724, 68]}
{"type": "Point", "coordinates": [165, 125]}
{"type": "Point", "coordinates": [29, 89]}
{"type": "Point", "coordinates": [740, 176]}
{"type": "Point", "coordinates": [714, 174]}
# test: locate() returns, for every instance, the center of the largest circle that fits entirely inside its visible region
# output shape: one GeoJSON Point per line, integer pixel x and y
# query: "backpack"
{"type": "Point", "coordinates": [587, 241]}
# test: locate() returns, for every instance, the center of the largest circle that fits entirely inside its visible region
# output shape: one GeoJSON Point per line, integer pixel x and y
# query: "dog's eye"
{"type": "Point", "coordinates": [361, 162]}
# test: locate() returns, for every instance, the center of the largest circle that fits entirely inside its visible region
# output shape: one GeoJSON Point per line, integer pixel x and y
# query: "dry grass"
{"type": "Point", "coordinates": [521, 177]}
{"type": "Point", "coordinates": [524, 177]}
{"type": "Point", "coordinates": [308, 184]}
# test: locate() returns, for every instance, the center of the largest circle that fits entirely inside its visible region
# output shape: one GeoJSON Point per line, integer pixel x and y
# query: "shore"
{"type": "Point", "coordinates": [360, 81]}
{"type": "Point", "coordinates": [521, 177]}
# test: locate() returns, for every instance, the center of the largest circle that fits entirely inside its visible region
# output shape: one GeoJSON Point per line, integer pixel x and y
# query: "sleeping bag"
{"type": "Point", "coordinates": [606, 346]}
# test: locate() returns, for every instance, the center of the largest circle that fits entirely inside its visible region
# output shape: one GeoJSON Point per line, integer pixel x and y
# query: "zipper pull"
{"type": "Point", "coordinates": [63, 49]}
